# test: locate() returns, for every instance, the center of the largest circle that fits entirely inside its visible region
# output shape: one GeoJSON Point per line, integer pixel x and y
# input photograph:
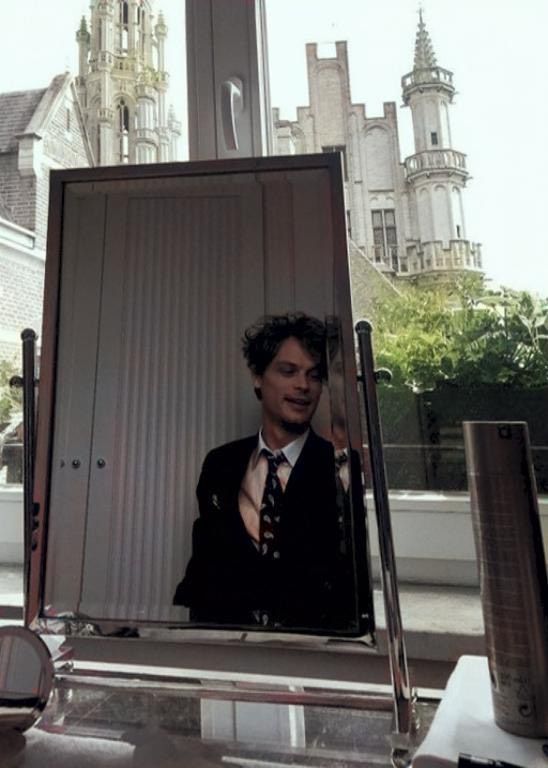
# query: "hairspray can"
{"type": "Point", "coordinates": [512, 570]}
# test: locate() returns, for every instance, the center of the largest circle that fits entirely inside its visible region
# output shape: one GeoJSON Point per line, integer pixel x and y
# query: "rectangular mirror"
{"type": "Point", "coordinates": [153, 276]}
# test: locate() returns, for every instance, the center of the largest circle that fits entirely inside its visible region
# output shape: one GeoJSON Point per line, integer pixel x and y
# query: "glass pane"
{"type": "Point", "coordinates": [378, 237]}
{"type": "Point", "coordinates": [462, 326]}
{"type": "Point", "coordinates": [391, 238]}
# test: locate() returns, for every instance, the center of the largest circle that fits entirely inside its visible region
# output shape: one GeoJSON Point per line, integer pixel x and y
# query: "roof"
{"type": "Point", "coordinates": [425, 58]}
{"type": "Point", "coordinates": [28, 111]}
{"type": "Point", "coordinates": [16, 111]}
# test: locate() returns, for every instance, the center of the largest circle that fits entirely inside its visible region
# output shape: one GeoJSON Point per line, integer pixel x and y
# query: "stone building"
{"type": "Point", "coordinates": [39, 130]}
{"type": "Point", "coordinates": [122, 84]}
{"type": "Point", "coordinates": [113, 112]}
{"type": "Point", "coordinates": [405, 218]}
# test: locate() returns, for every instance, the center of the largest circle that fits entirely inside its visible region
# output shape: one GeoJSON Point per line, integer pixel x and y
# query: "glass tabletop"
{"type": "Point", "coordinates": [104, 726]}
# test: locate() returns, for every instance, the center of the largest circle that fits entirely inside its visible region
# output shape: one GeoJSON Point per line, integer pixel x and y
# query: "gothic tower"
{"type": "Point", "coordinates": [436, 173]}
{"type": "Point", "coordinates": [122, 83]}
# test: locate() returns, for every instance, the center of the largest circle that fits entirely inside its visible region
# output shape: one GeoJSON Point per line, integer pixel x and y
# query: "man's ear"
{"type": "Point", "coordinates": [257, 387]}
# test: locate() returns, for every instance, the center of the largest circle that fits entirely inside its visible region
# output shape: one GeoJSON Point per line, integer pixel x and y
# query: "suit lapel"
{"type": "Point", "coordinates": [236, 464]}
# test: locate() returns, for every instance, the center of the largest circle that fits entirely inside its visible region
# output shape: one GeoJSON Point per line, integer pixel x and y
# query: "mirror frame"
{"type": "Point", "coordinates": [34, 613]}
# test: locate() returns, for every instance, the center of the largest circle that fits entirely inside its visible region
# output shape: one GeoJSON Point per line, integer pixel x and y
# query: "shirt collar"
{"type": "Point", "coordinates": [291, 451]}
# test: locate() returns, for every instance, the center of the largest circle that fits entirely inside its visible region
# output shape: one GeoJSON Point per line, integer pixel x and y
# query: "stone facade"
{"type": "Point", "coordinates": [122, 84]}
{"type": "Point", "coordinates": [45, 130]}
{"type": "Point", "coordinates": [76, 123]}
{"type": "Point", "coordinates": [406, 218]}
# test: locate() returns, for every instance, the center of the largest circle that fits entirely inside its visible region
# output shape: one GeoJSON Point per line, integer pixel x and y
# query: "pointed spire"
{"type": "Point", "coordinates": [425, 58]}
{"type": "Point", "coordinates": [426, 71]}
{"type": "Point", "coordinates": [82, 33]}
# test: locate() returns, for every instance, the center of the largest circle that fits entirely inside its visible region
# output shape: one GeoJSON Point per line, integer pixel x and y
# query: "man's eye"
{"type": "Point", "coordinates": [287, 370]}
{"type": "Point", "coordinates": [315, 376]}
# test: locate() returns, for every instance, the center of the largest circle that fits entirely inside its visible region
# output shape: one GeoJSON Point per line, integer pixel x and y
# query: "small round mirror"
{"type": "Point", "coordinates": [26, 678]}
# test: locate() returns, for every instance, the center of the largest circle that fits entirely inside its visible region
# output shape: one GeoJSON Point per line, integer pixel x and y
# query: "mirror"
{"type": "Point", "coordinates": [26, 678]}
{"type": "Point", "coordinates": [147, 399]}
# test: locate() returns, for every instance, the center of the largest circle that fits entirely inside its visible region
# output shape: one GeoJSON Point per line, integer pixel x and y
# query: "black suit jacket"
{"type": "Point", "coordinates": [228, 582]}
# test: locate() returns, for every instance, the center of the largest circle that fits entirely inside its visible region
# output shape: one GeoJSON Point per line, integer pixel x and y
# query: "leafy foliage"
{"type": "Point", "coordinates": [463, 334]}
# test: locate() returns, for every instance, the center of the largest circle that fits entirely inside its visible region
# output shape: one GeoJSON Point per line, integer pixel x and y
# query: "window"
{"type": "Point", "coordinates": [123, 26]}
{"type": "Point", "coordinates": [434, 138]}
{"type": "Point", "coordinates": [123, 132]}
{"type": "Point", "coordinates": [342, 149]}
{"type": "Point", "coordinates": [385, 238]}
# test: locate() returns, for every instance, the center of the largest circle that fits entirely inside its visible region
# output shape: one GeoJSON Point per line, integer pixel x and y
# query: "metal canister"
{"type": "Point", "coordinates": [512, 570]}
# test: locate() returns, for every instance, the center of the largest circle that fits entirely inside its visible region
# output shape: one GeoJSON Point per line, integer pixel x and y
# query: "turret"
{"type": "Point", "coordinates": [83, 38]}
{"type": "Point", "coordinates": [436, 173]}
{"type": "Point", "coordinates": [123, 82]}
{"type": "Point", "coordinates": [428, 90]}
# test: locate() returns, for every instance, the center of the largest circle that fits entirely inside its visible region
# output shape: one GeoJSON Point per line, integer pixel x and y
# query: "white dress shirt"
{"type": "Point", "coordinates": [252, 488]}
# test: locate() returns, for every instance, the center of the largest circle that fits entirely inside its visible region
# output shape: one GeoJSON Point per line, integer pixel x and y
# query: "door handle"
{"type": "Point", "coordinates": [232, 104]}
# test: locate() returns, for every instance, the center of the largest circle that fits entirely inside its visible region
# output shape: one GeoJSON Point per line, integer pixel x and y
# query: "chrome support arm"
{"type": "Point", "coordinates": [403, 703]}
{"type": "Point", "coordinates": [28, 337]}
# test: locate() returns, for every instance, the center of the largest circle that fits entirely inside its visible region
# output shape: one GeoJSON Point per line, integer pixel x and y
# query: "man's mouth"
{"type": "Point", "coordinates": [300, 402]}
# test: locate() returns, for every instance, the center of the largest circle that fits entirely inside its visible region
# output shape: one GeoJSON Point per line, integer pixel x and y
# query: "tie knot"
{"type": "Point", "coordinates": [341, 458]}
{"type": "Point", "coordinates": [274, 460]}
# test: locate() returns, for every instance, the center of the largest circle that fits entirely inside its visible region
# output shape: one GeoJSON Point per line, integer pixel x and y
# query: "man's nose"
{"type": "Point", "coordinates": [302, 381]}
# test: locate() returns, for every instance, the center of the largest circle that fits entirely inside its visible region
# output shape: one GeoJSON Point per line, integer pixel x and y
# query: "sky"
{"type": "Point", "coordinates": [495, 48]}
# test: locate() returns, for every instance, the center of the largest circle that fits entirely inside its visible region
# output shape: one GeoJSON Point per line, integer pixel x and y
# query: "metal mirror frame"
{"type": "Point", "coordinates": [36, 486]}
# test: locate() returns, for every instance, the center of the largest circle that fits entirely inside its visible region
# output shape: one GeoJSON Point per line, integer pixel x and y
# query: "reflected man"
{"type": "Point", "coordinates": [266, 545]}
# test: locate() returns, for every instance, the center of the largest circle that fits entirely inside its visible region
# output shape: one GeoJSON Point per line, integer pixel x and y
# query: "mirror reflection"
{"type": "Point", "coordinates": [203, 431]}
{"type": "Point", "coordinates": [269, 545]}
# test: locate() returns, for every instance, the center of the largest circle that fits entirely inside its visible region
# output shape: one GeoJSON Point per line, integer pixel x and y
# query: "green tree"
{"type": "Point", "coordinates": [463, 334]}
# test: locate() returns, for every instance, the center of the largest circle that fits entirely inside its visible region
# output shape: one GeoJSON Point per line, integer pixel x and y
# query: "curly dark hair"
{"type": "Point", "coordinates": [262, 340]}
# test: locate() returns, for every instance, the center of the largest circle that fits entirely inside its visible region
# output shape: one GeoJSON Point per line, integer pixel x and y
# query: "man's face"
{"type": "Point", "coordinates": [290, 387]}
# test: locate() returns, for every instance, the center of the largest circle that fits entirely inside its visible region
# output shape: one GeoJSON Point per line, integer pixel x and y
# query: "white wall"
{"type": "Point", "coordinates": [433, 537]}
{"type": "Point", "coordinates": [11, 524]}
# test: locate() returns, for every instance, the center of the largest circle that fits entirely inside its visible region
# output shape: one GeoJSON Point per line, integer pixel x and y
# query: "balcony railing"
{"type": "Point", "coordinates": [433, 257]}
{"type": "Point", "coordinates": [426, 75]}
{"type": "Point", "coordinates": [435, 160]}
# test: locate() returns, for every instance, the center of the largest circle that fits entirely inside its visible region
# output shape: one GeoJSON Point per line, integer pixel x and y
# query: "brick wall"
{"type": "Point", "coordinates": [21, 288]}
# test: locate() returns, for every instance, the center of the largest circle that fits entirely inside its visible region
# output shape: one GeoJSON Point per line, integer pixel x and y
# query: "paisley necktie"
{"type": "Point", "coordinates": [271, 509]}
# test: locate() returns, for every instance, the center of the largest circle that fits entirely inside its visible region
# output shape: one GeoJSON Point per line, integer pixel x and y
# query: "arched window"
{"type": "Point", "coordinates": [123, 132]}
{"type": "Point", "coordinates": [123, 23]}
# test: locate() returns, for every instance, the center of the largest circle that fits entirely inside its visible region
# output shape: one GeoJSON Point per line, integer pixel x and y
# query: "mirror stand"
{"type": "Point", "coordinates": [403, 701]}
